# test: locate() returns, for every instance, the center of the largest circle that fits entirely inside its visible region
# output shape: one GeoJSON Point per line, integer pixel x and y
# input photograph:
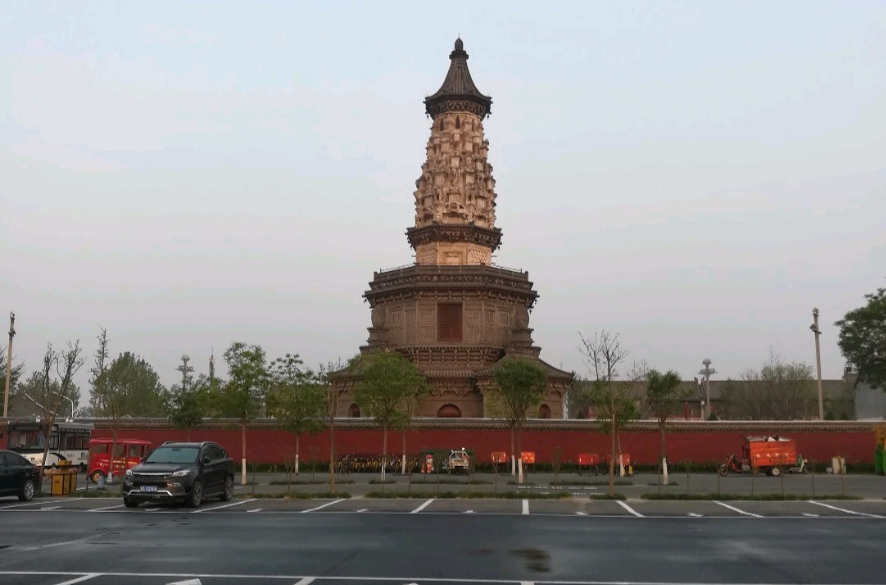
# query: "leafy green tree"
{"type": "Point", "coordinates": [664, 394]}
{"type": "Point", "coordinates": [187, 404]}
{"type": "Point", "coordinates": [388, 381]}
{"type": "Point", "coordinates": [243, 396]}
{"type": "Point", "coordinates": [520, 386]}
{"type": "Point", "coordinates": [862, 339]}
{"type": "Point", "coordinates": [96, 380]}
{"type": "Point", "coordinates": [296, 399]}
{"type": "Point", "coordinates": [127, 388]}
{"type": "Point", "coordinates": [615, 403]}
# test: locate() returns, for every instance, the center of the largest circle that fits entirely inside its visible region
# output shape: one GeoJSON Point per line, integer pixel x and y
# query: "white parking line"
{"type": "Point", "coordinates": [853, 512]}
{"type": "Point", "coordinates": [223, 506]}
{"type": "Point", "coordinates": [629, 509]}
{"type": "Point", "coordinates": [468, 511]}
{"type": "Point", "coordinates": [525, 507]}
{"type": "Point", "coordinates": [323, 506]}
{"type": "Point", "coordinates": [734, 509]}
{"type": "Point", "coordinates": [362, 510]}
{"type": "Point", "coordinates": [581, 513]}
{"type": "Point", "coordinates": [79, 579]}
{"type": "Point", "coordinates": [808, 515]}
{"type": "Point", "coordinates": [50, 508]}
{"type": "Point", "coordinates": [306, 581]}
{"type": "Point", "coordinates": [106, 508]}
{"type": "Point", "coordinates": [254, 510]}
{"type": "Point", "coordinates": [422, 507]}
{"type": "Point", "coordinates": [31, 503]}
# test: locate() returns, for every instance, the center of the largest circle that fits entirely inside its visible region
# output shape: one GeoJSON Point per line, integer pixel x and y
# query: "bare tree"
{"type": "Point", "coordinates": [52, 393]}
{"type": "Point", "coordinates": [605, 356]}
{"type": "Point", "coordinates": [777, 391]}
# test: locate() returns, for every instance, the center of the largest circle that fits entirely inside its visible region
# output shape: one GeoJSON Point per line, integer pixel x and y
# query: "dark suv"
{"type": "Point", "coordinates": [180, 472]}
{"type": "Point", "coordinates": [18, 476]}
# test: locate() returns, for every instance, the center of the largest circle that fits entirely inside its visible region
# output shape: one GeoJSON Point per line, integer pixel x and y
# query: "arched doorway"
{"type": "Point", "coordinates": [449, 411]}
{"type": "Point", "coordinates": [544, 411]}
{"type": "Point", "coordinates": [354, 411]}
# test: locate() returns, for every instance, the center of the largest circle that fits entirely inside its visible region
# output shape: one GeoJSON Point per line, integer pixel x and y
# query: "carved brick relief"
{"type": "Point", "coordinates": [473, 318]}
{"type": "Point", "coordinates": [426, 326]}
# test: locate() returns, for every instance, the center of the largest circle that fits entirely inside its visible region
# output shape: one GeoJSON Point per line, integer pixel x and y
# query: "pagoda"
{"type": "Point", "coordinates": [453, 312]}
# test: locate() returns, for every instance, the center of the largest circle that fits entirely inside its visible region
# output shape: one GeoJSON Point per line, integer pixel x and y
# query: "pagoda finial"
{"type": "Point", "coordinates": [458, 92]}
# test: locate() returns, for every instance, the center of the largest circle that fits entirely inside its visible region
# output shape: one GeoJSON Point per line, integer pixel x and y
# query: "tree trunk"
{"type": "Point", "coordinates": [520, 452]}
{"type": "Point", "coordinates": [513, 464]}
{"type": "Point", "coordinates": [612, 455]}
{"type": "Point", "coordinates": [403, 466]}
{"type": "Point", "coordinates": [111, 458]}
{"type": "Point", "coordinates": [664, 464]}
{"type": "Point", "coordinates": [332, 453]}
{"type": "Point", "coordinates": [46, 434]}
{"type": "Point", "coordinates": [243, 460]}
{"type": "Point", "coordinates": [297, 439]}
{"type": "Point", "coordinates": [384, 453]}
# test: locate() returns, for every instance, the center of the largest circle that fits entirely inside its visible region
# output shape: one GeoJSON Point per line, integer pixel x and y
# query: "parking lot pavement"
{"type": "Point", "coordinates": [372, 505]}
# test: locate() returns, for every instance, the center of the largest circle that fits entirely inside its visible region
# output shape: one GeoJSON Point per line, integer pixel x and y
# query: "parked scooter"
{"type": "Point", "coordinates": [800, 467]}
{"type": "Point", "coordinates": [734, 465]}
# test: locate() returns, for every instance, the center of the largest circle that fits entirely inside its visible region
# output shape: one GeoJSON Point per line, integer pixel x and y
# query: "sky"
{"type": "Point", "coordinates": [694, 176]}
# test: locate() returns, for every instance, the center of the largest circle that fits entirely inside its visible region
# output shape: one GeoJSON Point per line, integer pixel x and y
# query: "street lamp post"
{"type": "Point", "coordinates": [8, 364]}
{"type": "Point", "coordinates": [817, 332]}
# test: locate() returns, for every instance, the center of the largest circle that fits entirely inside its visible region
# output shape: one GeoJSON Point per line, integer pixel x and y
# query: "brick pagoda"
{"type": "Point", "coordinates": [454, 313]}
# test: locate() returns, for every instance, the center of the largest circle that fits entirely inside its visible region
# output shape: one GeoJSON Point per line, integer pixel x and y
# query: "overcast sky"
{"type": "Point", "coordinates": [696, 176]}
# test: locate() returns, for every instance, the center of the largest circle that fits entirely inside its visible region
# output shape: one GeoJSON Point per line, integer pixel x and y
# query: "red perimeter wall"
{"type": "Point", "coordinates": [272, 446]}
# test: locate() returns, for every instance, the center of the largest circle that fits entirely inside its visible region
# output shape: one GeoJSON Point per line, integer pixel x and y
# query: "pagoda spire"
{"type": "Point", "coordinates": [458, 92]}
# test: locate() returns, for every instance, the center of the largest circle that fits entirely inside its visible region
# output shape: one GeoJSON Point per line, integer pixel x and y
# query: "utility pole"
{"type": "Point", "coordinates": [707, 372]}
{"type": "Point", "coordinates": [185, 369]}
{"type": "Point", "coordinates": [817, 332]}
{"type": "Point", "coordinates": [8, 364]}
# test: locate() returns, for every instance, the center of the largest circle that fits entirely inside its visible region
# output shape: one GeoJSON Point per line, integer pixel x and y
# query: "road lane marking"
{"type": "Point", "coordinates": [734, 509]}
{"type": "Point", "coordinates": [31, 503]}
{"type": "Point", "coordinates": [808, 515]}
{"type": "Point", "coordinates": [422, 507]}
{"type": "Point", "coordinates": [526, 583]}
{"type": "Point", "coordinates": [154, 509]}
{"type": "Point", "coordinates": [79, 579]}
{"type": "Point", "coordinates": [253, 510]}
{"type": "Point", "coordinates": [629, 509]}
{"type": "Point", "coordinates": [853, 512]}
{"type": "Point", "coordinates": [362, 510]}
{"type": "Point", "coordinates": [50, 508]}
{"type": "Point", "coordinates": [306, 581]}
{"type": "Point", "coordinates": [106, 508]}
{"type": "Point", "coordinates": [581, 513]}
{"type": "Point", "coordinates": [694, 515]}
{"type": "Point", "coordinates": [469, 512]}
{"type": "Point", "coordinates": [223, 506]}
{"type": "Point", "coordinates": [525, 507]}
{"type": "Point", "coordinates": [323, 506]}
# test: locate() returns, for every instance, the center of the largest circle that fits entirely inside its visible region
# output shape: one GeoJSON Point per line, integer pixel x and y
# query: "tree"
{"type": "Point", "coordinates": [128, 388]}
{"type": "Point", "coordinates": [862, 339]}
{"type": "Point", "coordinates": [664, 393]}
{"type": "Point", "coordinates": [614, 402]}
{"type": "Point", "coordinates": [244, 394]}
{"type": "Point", "coordinates": [295, 399]}
{"type": "Point", "coordinates": [520, 384]}
{"type": "Point", "coordinates": [387, 382]}
{"type": "Point", "coordinates": [186, 404]}
{"type": "Point", "coordinates": [777, 391]}
{"type": "Point", "coordinates": [51, 393]}
{"type": "Point", "coordinates": [323, 377]}
{"type": "Point", "coordinates": [99, 368]}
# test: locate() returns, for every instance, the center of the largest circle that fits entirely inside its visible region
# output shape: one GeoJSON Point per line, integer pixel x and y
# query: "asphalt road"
{"type": "Point", "coordinates": [434, 541]}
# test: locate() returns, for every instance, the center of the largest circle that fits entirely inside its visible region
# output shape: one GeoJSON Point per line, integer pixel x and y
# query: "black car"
{"type": "Point", "coordinates": [18, 476]}
{"type": "Point", "coordinates": [180, 472]}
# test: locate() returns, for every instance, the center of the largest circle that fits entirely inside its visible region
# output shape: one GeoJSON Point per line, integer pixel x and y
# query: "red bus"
{"type": "Point", "coordinates": [127, 453]}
